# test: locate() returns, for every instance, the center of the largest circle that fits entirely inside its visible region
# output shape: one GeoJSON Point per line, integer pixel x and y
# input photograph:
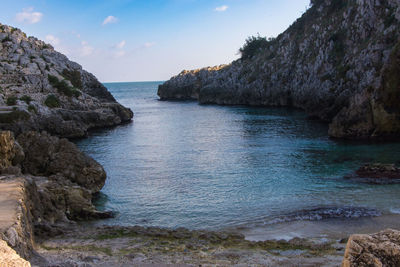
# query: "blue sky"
{"type": "Point", "coordinates": [145, 40]}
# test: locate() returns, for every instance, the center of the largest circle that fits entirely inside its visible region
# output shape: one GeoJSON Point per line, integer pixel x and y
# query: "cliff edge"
{"type": "Point", "coordinates": [340, 62]}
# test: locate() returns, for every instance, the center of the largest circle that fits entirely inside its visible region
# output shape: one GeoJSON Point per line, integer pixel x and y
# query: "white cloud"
{"type": "Point", "coordinates": [149, 44]}
{"type": "Point", "coordinates": [221, 8]}
{"type": "Point", "coordinates": [86, 49]}
{"type": "Point", "coordinates": [119, 53]}
{"type": "Point", "coordinates": [119, 49]}
{"type": "Point", "coordinates": [120, 45]}
{"type": "Point", "coordinates": [28, 16]}
{"type": "Point", "coordinates": [54, 41]}
{"type": "Point", "coordinates": [110, 19]}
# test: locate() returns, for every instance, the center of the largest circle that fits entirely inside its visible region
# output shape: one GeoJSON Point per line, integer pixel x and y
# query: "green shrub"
{"type": "Point", "coordinates": [47, 67]}
{"type": "Point", "coordinates": [52, 101]}
{"type": "Point", "coordinates": [253, 46]}
{"type": "Point", "coordinates": [52, 80]}
{"type": "Point", "coordinates": [27, 99]}
{"type": "Point", "coordinates": [63, 87]}
{"type": "Point", "coordinates": [12, 100]}
{"type": "Point", "coordinates": [74, 76]}
{"type": "Point", "coordinates": [31, 108]}
{"type": "Point", "coordinates": [45, 46]}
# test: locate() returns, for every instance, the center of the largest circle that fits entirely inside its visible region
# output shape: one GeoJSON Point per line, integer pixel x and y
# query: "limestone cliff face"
{"type": "Point", "coordinates": [339, 62]}
{"type": "Point", "coordinates": [40, 89]}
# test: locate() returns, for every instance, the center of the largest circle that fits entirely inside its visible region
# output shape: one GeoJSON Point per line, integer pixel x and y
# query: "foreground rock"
{"type": "Point", "coordinates": [9, 258]}
{"type": "Point", "coordinates": [339, 62]}
{"type": "Point", "coordinates": [45, 182]}
{"type": "Point", "coordinates": [40, 89]}
{"type": "Point", "coordinates": [381, 249]}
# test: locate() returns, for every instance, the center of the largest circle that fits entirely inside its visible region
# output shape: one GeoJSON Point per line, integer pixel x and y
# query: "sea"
{"type": "Point", "coordinates": [267, 172]}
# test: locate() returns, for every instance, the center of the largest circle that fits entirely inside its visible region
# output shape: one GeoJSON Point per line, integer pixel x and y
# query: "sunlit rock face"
{"type": "Point", "coordinates": [340, 62]}
{"type": "Point", "coordinates": [40, 89]}
{"type": "Point", "coordinates": [381, 249]}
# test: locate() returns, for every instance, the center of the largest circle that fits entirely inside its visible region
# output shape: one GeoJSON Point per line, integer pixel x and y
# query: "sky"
{"type": "Point", "coordinates": [149, 40]}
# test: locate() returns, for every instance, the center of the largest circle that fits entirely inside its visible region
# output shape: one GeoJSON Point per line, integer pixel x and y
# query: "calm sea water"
{"type": "Point", "coordinates": [204, 166]}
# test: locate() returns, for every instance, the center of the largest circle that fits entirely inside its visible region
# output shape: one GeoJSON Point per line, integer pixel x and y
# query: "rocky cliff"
{"type": "Point", "coordinates": [40, 89]}
{"type": "Point", "coordinates": [339, 62]}
{"type": "Point", "coordinates": [45, 182]}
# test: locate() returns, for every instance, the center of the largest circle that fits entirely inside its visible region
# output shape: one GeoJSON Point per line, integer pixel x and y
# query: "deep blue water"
{"type": "Point", "coordinates": [204, 166]}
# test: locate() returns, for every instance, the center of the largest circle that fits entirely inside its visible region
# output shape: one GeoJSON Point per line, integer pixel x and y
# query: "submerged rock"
{"type": "Point", "coordinates": [384, 171]}
{"type": "Point", "coordinates": [376, 173]}
{"type": "Point", "coordinates": [381, 249]}
{"type": "Point", "coordinates": [339, 62]}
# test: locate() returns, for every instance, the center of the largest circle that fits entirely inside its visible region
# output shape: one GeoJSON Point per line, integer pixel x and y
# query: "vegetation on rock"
{"type": "Point", "coordinates": [11, 100]}
{"type": "Point", "coordinates": [52, 101]}
{"type": "Point", "coordinates": [253, 45]}
{"type": "Point", "coordinates": [63, 87]}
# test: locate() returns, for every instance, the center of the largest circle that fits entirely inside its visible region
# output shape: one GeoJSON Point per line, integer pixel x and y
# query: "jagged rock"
{"type": "Point", "coordinates": [339, 62]}
{"type": "Point", "coordinates": [50, 92]}
{"type": "Point", "coordinates": [47, 155]}
{"type": "Point", "coordinates": [381, 249]}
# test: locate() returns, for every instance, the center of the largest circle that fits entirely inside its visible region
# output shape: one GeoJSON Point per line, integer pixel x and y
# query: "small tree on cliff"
{"type": "Point", "coordinates": [252, 46]}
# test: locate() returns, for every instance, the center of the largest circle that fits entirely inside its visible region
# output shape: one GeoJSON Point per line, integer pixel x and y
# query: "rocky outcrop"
{"type": "Point", "coordinates": [338, 62]}
{"type": "Point", "coordinates": [381, 249]}
{"type": "Point", "coordinates": [40, 89]}
{"type": "Point", "coordinates": [46, 155]}
{"type": "Point", "coordinates": [46, 181]}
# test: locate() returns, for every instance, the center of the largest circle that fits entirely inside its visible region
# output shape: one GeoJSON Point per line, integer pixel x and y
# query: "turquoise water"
{"type": "Point", "coordinates": [181, 164]}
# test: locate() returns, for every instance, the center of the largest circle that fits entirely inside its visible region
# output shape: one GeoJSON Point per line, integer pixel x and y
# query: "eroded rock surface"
{"type": "Point", "coordinates": [381, 249]}
{"type": "Point", "coordinates": [40, 89]}
{"type": "Point", "coordinates": [339, 62]}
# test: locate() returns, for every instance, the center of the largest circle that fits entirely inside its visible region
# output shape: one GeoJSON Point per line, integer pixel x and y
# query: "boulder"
{"type": "Point", "coordinates": [381, 249]}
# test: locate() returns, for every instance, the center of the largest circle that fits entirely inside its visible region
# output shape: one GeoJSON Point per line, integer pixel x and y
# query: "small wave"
{"type": "Point", "coordinates": [324, 213]}
{"type": "Point", "coordinates": [395, 210]}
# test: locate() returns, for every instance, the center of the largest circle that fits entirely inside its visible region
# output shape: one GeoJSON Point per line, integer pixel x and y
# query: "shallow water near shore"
{"type": "Point", "coordinates": [260, 170]}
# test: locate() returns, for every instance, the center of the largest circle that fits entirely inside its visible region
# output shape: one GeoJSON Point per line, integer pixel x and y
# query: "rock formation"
{"type": "Point", "coordinates": [381, 249]}
{"type": "Point", "coordinates": [40, 89]}
{"type": "Point", "coordinates": [45, 181]}
{"type": "Point", "coordinates": [339, 62]}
